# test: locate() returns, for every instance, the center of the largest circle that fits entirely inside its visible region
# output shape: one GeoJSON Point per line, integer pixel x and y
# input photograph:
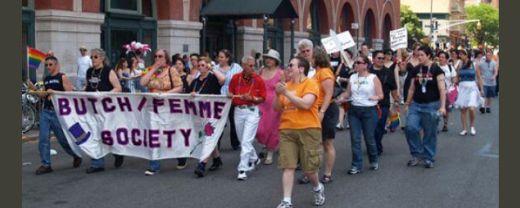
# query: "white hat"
{"type": "Point", "coordinates": [273, 54]}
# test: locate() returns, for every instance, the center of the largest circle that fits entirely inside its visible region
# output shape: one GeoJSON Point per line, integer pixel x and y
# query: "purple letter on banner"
{"type": "Point", "coordinates": [93, 102]}
{"type": "Point", "coordinates": [205, 107]}
{"type": "Point", "coordinates": [156, 104]}
{"type": "Point", "coordinates": [169, 135]}
{"type": "Point", "coordinates": [219, 107]}
{"type": "Point", "coordinates": [190, 105]}
{"type": "Point", "coordinates": [154, 138]}
{"type": "Point", "coordinates": [107, 138]}
{"type": "Point", "coordinates": [175, 105]}
{"type": "Point", "coordinates": [81, 108]}
{"type": "Point", "coordinates": [124, 102]}
{"type": "Point", "coordinates": [63, 105]}
{"type": "Point", "coordinates": [122, 136]}
{"type": "Point", "coordinates": [186, 133]}
{"type": "Point", "coordinates": [135, 140]}
{"type": "Point", "coordinates": [141, 104]}
{"type": "Point", "coordinates": [107, 105]}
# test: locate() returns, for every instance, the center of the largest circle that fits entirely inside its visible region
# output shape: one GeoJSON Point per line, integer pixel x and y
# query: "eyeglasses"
{"type": "Point", "coordinates": [49, 64]}
{"type": "Point", "coordinates": [251, 65]}
{"type": "Point", "coordinates": [360, 62]}
{"type": "Point", "coordinates": [158, 56]}
{"type": "Point", "coordinates": [202, 65]}
{"type": "Point", "coordinates": [380, 58]}
{"type": "Point", "coordinates": [290, 65]}
{"type": "Point", "coordinates": [94, 57]}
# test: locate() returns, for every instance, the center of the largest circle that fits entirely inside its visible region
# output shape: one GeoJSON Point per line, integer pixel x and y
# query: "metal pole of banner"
{"type": "Point", "coordinates": [203, 35]}
{"type": "Point", "coordinates": [292, 39]}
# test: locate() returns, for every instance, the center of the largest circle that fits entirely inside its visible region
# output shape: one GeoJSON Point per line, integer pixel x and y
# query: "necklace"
{"type": "Point", "coordinates": [95, 78]}
{"type": "Point", "coordinates": [202, 86]}
{"type": "Point", "coordinates": [250, 87]}
{"type": "Point", "coordinates": [423, 80]}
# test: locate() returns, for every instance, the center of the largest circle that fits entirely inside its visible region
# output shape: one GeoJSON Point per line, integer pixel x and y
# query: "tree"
{"type": "Point", "coordinates": [488, 31]}
{"type": "Point", "coordinates": [413, 26]}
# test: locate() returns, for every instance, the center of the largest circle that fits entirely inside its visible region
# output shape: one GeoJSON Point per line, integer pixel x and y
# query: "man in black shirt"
{"type": "Point", "coordinates": [54, 81]}
{"type": "Point", "coordinates": [388, 82]}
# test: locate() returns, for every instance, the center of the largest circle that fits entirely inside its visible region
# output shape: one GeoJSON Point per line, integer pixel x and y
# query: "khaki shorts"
{"type": "Point", "coordinates": [302, 145]}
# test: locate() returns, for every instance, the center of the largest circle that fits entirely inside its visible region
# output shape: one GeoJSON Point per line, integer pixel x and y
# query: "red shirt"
{"type": "Point", "coordinates": [239, 86]}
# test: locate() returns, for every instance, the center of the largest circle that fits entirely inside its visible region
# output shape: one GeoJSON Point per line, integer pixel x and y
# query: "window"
{"type": "Point", "coordinates": [124, 4]}
{"type": "Point", "coordinates": [147, 7]}
{"type": "Point", "coordinates": [25, 3]}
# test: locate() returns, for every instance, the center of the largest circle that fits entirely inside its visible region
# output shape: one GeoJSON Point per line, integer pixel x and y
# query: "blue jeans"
{"type": "Point", "coordinates": [422, 116]}
{"type": "Point", "coordinates": [380, 129]}
{"type": "Point", "coordinates": [155, 165]}
{"type": "Point", "coordinates": [49, 121]}
{"type": "Point", "coordinates": [362, 120]}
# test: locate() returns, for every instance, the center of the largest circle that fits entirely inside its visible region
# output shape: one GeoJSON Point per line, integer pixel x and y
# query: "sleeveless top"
{"type": "Point", "coordinates": [98, 80]}
{"type": "Point", "coordinates": [467, 74]}
{"type": "Point", "coordinates": [55, 83]}
{"type": "Point", "coordinates": [362, 88]}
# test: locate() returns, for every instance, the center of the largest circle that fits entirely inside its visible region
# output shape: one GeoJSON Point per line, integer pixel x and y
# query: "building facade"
{"type": "Point", "coordinates": [176, 25]}
{"type": "Point", "coordinates": [443, 13]}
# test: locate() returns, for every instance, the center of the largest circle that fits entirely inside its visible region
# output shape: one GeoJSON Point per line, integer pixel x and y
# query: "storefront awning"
{"type": "Point", "coordinates": [249, 9]}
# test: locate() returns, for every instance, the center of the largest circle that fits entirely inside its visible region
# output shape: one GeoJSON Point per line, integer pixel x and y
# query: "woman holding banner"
{"type": "Point", "coordinates": [162, 78]}
{"type": "Point", "coordinates": [101, 78]}
{"type": "Point", "coordinates": [207, 83]}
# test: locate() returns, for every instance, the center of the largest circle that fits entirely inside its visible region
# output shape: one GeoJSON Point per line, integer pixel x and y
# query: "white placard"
{"type": "Point", "coordinates": [399, 38]}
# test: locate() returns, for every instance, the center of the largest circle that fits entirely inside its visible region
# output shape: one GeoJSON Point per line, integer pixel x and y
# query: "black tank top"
{"type": "Point", "coordinates": [98, 80]}
{"type": "Point", "coordinates": [55, 83]}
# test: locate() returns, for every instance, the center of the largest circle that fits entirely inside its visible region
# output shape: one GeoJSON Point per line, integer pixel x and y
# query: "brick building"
{"type": "Point", "coordinates": [176, 25]}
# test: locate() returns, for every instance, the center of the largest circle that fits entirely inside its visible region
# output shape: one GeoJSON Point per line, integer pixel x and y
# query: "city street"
{"type": "Point", "coordinates": [466, 174]}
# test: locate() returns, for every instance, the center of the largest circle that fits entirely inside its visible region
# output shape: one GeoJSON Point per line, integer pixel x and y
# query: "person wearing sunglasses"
{"type": "Point", "coordinates": [247, 90]}
{"type": "Point", "coordinates": [101, 78]}
{"type": "Point", "coordinates": [227, 68]}
{"type": "Point", "coordinates": [470, 91]}
{"type": "Point", "coordinates": [300, 129]}
{"type": "Point", "coordinates": [425, 105]}
{"type": "Point", "coordinates": [389, 84]}
{"type": "Point", "coordinates": [207, 83]}
{"type": "Point", "coordinates": [161, 78]}
{"type": "Point", "coordinates": [54, 81]}
{"type": "Point", "coordinates": [363, 92]}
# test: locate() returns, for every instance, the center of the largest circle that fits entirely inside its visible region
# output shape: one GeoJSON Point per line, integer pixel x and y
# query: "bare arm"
{"type": "Point", "coordinates": [379, 90]}
{"type": "Point", "coordinates": [114, 81]}
{"type": "Point", "coordinates": [479, 79]}
{"type": "Point", "coordinates": [176, 81]}
{"type": "Point", "coordinates": [276, 104]}
{"type": "Point", "coordinates": [328, 86]}
{"type": "Point", "coordinates": [442, 90]}
{"type": "Point", "coordinates": [411, 91]}
{"type": "Point", "coordinates": [145, 79]}
{"type": "Point", "coordinates": [221, 77]}
{"type": "Point", "coordinates": [67, 84]}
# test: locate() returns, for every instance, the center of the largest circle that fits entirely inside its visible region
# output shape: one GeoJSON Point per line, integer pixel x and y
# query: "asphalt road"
{"type": "Point", "coordinates": [466, 174]}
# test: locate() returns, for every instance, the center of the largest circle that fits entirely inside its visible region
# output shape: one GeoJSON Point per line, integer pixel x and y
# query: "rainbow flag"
{"type": "Point", "coordinates": [393, 121]}
{"type": "Point", "coordinates": [34, 57]}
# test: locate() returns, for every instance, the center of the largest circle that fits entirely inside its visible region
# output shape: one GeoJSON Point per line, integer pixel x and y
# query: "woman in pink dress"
{"type": "Point", "coordinates": [267, 133]}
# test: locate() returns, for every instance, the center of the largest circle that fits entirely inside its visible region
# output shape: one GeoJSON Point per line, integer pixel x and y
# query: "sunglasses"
{"type": "Point", "coordinates": [360, 62]}
{"type": "Point", "coordinates": [49, 64]}
{"type": "Point", "coordinates": [158, 56]}
{"type": "Point", "coordinates": [380, 58]}
{"type": "Point", "coordinates": [290, 65]}
{"type": "Point", "coordinates": [94, 57]}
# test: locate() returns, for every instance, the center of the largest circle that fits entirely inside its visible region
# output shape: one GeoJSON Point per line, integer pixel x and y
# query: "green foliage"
{"type": "Point", "coordinates": [410, 20]}
{"type": "Point", "coordinates": [488, 16]}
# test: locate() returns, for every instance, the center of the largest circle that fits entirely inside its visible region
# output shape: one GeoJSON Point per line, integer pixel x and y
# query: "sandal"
{"type": "Point", "coordinates": [304, 180]}
{"type": "Point", "coordinates": [326, 179]}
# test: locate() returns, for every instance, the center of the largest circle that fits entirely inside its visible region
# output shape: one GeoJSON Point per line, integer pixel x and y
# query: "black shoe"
{"type": "Point", "coordinates": [236, 147]}
{"type": "Point", "coordinates": [482, 110]}
{"type": "Point", "coordinates": [181, 163]}
{"type": "Point", "coordinates": [445, 128]}
{"type": "Point", "coordinates": [488, 110]}
{"type": "Point", "coordinates": [428, 164]}
{"type": "Point", "coordinates": [118, 160]}
{"type": "Point", "coordinates": [43, 169]}
{"type": "Point", "coordinates": [217, 162]}
{"type": "Point", "coordinates": [200, 170]}
{"type": "Point", "coordinates": [94, 170]}
{"type": "Point", "coordinates": [77, 162]}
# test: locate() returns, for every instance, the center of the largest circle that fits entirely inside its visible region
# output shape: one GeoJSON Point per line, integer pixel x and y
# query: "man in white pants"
{"type": "Point", "coordinates": [247, 90]}
{"type": "Point", "coordinates": [83, 63]}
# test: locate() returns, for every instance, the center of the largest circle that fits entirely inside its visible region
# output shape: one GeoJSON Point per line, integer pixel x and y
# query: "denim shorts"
{"type": "Point", "coordinates": [490, 91]}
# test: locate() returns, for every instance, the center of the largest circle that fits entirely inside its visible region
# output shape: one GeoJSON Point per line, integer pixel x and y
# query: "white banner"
{"type": "Point", "coordinates": [146, 125]}
{"type": "Point", "coordinates": [331, 43]}
{"type": "Point", "coordinates": [399, 38]}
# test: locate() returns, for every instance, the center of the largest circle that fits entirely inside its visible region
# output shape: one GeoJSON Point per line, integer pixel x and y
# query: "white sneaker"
{"type": "Point", "coordinates": [319, 196]}
{"type": "Point", "coordinates": [472, 131]}
{"type": "Point", "coordinates": [463, 133]}
{"type": "Point", "coordinates": [252, 165]}
{"type": "Point", "coordinates": [284, 204]}
{"type": "Point", "coordinates": [242, 175]}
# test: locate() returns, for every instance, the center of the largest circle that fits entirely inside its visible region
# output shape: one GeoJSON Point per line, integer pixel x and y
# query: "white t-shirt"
{"type": "Point", "coordinates": [448, 75]}
{"type": "Point", "coordinates": [311, 73]}
{"type": "Point", "coordinates": [361, 89]}
{"type": "Point", "coordinates": [83, 64]}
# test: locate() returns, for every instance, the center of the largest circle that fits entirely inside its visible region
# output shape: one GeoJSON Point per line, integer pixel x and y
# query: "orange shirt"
{"type": "Point", "coordinates": [321, 75]}
{"type": "Point", "coordinates": [295, 118]}
{"type": "Point", "coordinates": [255, 87]}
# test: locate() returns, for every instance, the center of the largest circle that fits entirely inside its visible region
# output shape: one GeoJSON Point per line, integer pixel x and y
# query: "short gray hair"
{"type": "Point", "coordinates": [100, 52]}
{"type": "Point", "coordinates": [305, 43]}
{"type": "Point", "coordinates": [247, 58]}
